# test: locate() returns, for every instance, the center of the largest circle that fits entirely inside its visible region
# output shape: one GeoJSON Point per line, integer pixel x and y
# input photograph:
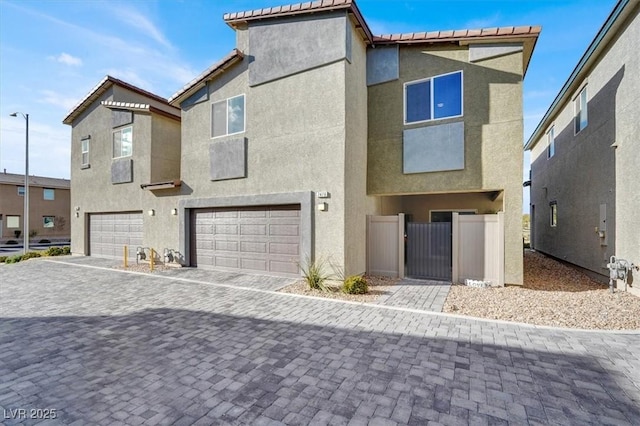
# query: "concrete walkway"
{"type": "Point", "coordinates": [424, 295]}
{"type": "Point", "coordinates": [102, 346]}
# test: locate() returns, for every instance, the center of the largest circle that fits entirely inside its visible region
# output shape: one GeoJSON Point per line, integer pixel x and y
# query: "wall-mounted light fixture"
{"type": "Point", "coordinates": [77, 214]}
{"type": "Point", "coordinates": [174, 212]}
{"type": "Point", "coordinates": [323, 207]}
{"type": "Point", "coordinates": [152, 212]}
{"type": "Point", "coordinates": [77, 208]}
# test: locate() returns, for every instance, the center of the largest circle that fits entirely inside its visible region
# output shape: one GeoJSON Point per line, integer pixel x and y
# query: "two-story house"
{"type": "Point", "coordinates": [585, 155]}
{"type": "Point", "coordinates": [311, 123]}
{"type": "Point", "coordinates": [49, 212]}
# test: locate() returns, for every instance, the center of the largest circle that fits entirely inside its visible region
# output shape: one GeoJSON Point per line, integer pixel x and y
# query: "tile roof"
{"type": "Point", "coordinates": [459, 35]}
{"type": "Point", "coordinates": [232, 19]}
{"type": "Point", "coordinates": [39, 181]}
{"type": "Point", "coordinates": [102, 87]}
{"type": "Point", "coordinates": [187, 90]}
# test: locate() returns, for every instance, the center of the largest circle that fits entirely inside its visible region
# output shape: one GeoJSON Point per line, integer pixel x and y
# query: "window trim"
{"type": "Point", "coordinates": [551, 142]}
{"type": "Point", "coordinates": [120, 130]}
{"type": "Point", "coordinates": [244, 116]}
{"type": "Point", "coordinates": [553, 207]}
{"type": "Point", "coordinates": [53, 221]}
{"type": "Point", "coordinates": [577, 103]}
{"type": "Point", "coordinates": [44, 191]}
{"type": "Point", "coordinates": [431, 95]}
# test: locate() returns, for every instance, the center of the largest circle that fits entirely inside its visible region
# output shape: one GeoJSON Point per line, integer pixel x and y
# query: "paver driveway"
{"type": "Point", "coordinates": [109, 347]}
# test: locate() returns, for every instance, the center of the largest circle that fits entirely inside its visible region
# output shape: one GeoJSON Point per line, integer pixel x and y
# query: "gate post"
{"type": "Point", "coordinates": [455, 249]}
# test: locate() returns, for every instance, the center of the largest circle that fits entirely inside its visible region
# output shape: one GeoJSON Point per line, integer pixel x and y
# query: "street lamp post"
{"type": "Point", "coordinates": [26, 185]}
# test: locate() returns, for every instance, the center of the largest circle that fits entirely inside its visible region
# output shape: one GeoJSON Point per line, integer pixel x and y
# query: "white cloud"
{"type": "Point", "coordinates": [65, 58]}
{"type": "Point", "coordinates": [54, 98]}
{"type": "Point", "coordinates": [140, 22]}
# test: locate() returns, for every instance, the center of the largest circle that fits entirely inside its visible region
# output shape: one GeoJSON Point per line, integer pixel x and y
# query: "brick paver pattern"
{"type": "Point", "coordinates": [108, 347]}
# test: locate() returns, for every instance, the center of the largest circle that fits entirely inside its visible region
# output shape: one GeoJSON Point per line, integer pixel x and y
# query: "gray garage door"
{"type": "Point", "coordinates": [110, 232]}
{"type": "Point", "coordinates": [263, 239]}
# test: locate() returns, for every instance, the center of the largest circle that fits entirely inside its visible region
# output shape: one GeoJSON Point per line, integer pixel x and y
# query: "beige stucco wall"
{"type": "Point", "coordinates": [492, 116]}
{"type": "Point", "coordinates": [93, 191]}
{"type": "Point", "coordinates": [586, 171]}
{"type": "Point", "coordinates": [357, 203]}
{"type": "Point", "coordinates": [295, 131]}
{"type": "Point", "coordinates": [419, 206]}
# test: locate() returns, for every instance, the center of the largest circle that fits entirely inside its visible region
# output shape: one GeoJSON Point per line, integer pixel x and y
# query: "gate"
{"type": "Point", "coordinates": [429, 250]}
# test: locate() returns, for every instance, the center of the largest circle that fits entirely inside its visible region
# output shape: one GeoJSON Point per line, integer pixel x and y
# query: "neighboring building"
{"type": "Point", "coordinates": [585, 153]}
{"type": "Point", "coordinates": [312, 123]}
{"type": "Point", "coordinates": [49, 208]}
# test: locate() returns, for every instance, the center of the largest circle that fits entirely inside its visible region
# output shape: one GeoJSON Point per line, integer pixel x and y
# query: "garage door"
{"type": "Point", "coordinates": [263, 239]}
{"type": "Point", "coordinates": [109, 233]}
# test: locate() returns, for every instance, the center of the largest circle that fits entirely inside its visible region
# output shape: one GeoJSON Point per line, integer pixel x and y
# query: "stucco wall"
{"type": "Point", "coordinates": [295, 132]}
{"type": "Point", "coordinates": [586, 171]}
{"type": "Point", "coordinates": [357, 204]}
{"type": "Point", "coordinates": [493, 135]}
{"type": "Point", "coordinates": [92, 190]}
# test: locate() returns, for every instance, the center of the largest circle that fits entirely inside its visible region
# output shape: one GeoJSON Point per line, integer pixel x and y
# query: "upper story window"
{"type": "Point", "coordinates": [48, 221]}
{"type": "Point", "coordinates": [551, 142]}
{"type": "Point", "coordinates": [581, 118]}
{"type": "Point", "coordinates": [433, 98]}
{"type": "Point", "coordinates": [227, 116]}
{"type": "Point", "coordinates": [21, 191]}
{"type": "Point", "coordinates": [122, 142]}
{"type": "Point", "coordinates": [85, 151]}
{"type": "Point", "coordinates": [13, 221]}
{"type": "Point", "coordinates": [48, 194]}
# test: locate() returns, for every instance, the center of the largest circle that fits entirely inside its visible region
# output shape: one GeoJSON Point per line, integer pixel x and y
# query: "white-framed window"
{"type": "Point", "coordinates": [228, 116]}
{"type": "Point", "coordinates": [551, 142]}
{"type": "Point", "coordinates": [433, 98]}
{"type": "Point", "coordinates": [13, 222]}
{"type": "Point", "coordinates": [48, 221]}
{"type": "Point", "coordinates": [21, 191]}
{"type": "Point", "coordinates": [49, 194]}
{"type": "Point", "coordinates": [553, 214]}
{"type": "Point", "coordinates": [85, 151]}
{"type": "Point", "coordinates": [580, 105]}
{"type": "Point", "coordinates": [123, 142]}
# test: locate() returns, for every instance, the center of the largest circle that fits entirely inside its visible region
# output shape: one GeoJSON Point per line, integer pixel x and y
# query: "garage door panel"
{"type": "Point", "coordinates": [110, 232]}
{"type": "Point", "coordinates": [257, 239]}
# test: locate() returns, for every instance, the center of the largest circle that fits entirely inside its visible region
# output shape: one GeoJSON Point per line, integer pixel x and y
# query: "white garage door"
{"type": "Point", "coordinates": [110, 232]}
{"type": "Point", "coordinates": [263, 239]}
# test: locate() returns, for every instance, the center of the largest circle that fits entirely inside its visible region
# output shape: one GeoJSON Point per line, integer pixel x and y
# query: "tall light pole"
{"type": "Point", "coordinates": [25, 221]}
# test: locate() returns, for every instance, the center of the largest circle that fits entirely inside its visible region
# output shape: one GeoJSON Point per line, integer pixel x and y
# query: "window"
{"type": "Point", "coordinates": [122, 142]}
{"type": "Point", "coordinates": [49, 194]}
{"type": "Point", "coordinates": [85, 151]}
{"type": "Point", "coordinates": [553, 214]}
{"type": "Point", "coordinates": [447, 215]}
{"type": "Point", "coordinates": [21, 191]}
{"type": "Point", "coordinates": [551, 143]}
{"type": "Point", "coordinates": [227, 117]}
{"type": "Point", "coordinates": [434, 98]}
{"type": "Point", "coordinates": [581, 119]}
{"type": "Point", "coordinates": [48, 221]}
{"type": "Point", "coordinates": [13, 221]}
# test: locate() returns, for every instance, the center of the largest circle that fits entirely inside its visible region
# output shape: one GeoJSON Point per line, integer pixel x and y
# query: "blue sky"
{"type": "Point", "coordinates": [52, 53]}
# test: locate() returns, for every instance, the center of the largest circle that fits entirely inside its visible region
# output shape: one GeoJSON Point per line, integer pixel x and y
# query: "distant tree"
{"type": "Point", "coordinates": [59, 223]}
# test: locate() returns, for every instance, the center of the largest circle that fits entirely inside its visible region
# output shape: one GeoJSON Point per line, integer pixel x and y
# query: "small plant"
{"type": "Point", "coordinates": [31, 255]}
{"type": "Point", "coordinates": [33, 233]}
{"type": "Point", "coordinates": [355, 284]}
{"type": "Point", "coordinates": [3, 259]}
{"type": "Point", "coordinates": [17, 233]}
{"type": "Point", "coordinates": [66, 250]}
{"type": "Point", "coordinates": [12, 243]}
{"type": "Point", "coordinates": [314, 273]}
{"type": "Point", "coordinates": [14, 259]}
{"type": "Point", "coordinates": [44, 241]}
{"type": "Point", "coordinates": [53, 251]}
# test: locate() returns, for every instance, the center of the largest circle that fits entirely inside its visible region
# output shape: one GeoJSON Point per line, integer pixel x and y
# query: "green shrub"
{"type": "Point", "coordinates": [314, 273]}
{"type": "Point", "coordinates": [14, 259]}
{"type": "Point", "coordinates": [31, 255]}
{"type": "Point", "coordinates": [66, 250]}
{"type": "Point", "coordinates": [53, 251]}
{"type": "Point", "coordinates": [3, 259]}
{"type": "Point", "coordinates": [355, 285]}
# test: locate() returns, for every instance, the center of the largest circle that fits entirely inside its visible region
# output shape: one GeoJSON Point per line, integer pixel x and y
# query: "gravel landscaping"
{"type": "Point", "coordinates": [377, 287]}
{"type": "Point", "coordinates": [553, 294]}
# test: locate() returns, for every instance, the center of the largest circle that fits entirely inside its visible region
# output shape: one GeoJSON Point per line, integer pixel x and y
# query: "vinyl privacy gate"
{"type": "Point", "coordinates": [476, 241]}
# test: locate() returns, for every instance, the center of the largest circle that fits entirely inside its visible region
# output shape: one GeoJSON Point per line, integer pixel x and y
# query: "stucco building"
{"type": "Point", "coordinates": [307, 126]}
{"type": "Point", "coordinates": [585, 153]}
{"type": "Point", "coordinates": [49, 208]}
